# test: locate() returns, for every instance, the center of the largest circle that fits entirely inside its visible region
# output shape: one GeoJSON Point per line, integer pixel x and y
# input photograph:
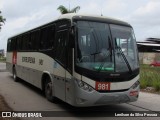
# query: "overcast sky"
{"type": "Point", "coordinates": [22, 15]}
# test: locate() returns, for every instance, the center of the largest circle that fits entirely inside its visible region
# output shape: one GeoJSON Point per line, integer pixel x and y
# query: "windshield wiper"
{"type": "Point", "coordinates": [101, 68]}
{"type": "Point", "coordinates": [125, 59]}
{"type": "Point", "coordinates": [105, 55]}
{"type": "Point", "coordinates": [94, 54]}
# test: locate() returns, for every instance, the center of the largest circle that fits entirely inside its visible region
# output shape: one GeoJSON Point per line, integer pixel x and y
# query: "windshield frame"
{"type": "Point", "coordinates": [103, 74]}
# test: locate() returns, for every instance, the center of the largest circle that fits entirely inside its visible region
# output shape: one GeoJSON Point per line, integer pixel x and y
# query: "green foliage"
{"type": "Point", "coordinates": [150, 77]}
{"type": "Point", "coordinates": [2, 20]}
{"type": "Point", "coordinates": [64, 10]}
{"type": "Point", "coordinates": [3, 59]}
{"type": "Point", "coordinates": [156, 83]}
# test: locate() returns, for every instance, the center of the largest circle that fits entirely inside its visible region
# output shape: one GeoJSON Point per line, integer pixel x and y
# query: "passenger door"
{"type": "Point", "coordinates": [60, 54]}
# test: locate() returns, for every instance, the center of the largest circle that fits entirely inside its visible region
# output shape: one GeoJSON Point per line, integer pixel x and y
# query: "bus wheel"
{"type": "Point", "coordinates": [15, 75]}
{"type": "Point", "coordinates": [48, 90]}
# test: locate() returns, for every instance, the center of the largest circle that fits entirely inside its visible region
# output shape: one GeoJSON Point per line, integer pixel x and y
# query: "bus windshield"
{"type": "Point", "coordinates": [105, 48]}
{"type": "Point", "coordinates": [125, 48]}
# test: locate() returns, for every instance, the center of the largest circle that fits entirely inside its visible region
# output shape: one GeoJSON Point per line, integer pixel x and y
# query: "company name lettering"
{"type": "Point", "coordinates": [28, 59]}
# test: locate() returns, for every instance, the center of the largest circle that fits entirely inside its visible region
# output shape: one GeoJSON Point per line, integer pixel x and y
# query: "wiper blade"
{"type": "Point", "coordinates": [125, 59]}
{"type": "Point", "coordinates": [101, 68]}
{"type": "Point", "coordinates": [105, 55]}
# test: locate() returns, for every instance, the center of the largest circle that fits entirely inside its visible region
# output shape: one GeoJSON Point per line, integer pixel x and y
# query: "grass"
{"type": "Point", "coordinates": [150, 77]}
{"type": "Point", "coordinates": [3, 59]}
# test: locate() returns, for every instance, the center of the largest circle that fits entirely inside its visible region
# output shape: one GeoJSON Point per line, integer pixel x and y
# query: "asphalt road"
{"type": "Point", "coordinates": [21, 96]}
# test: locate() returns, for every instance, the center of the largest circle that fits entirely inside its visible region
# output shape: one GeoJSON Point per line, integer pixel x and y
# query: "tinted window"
{"type": "Point", "coordinates": [26, 42]}
{"type": "Point", "coordinates": [35, 39]}
{"type": "Point", "coordinates": [19, 43]}
{"type": "Point", "coordinates": [47, 37]}
{"type": "Point", "coordinates": [60, 46]}
{"type": "Point", "coordinates": [51, 36]}
{"type": "Point", "coordinates": [9, 45]}
{"type": "Point", "coordinates": [13, 44]}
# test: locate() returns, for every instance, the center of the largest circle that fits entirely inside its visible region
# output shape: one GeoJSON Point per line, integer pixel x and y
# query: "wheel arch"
{"type": "Point", "coordinates": [43, 78]}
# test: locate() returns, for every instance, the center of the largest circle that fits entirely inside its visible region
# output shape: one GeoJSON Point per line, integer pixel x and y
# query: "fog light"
{"type": "Point", "coordinates": [80, 100]}
{"type": "Point", "coordinates": [133, 93]}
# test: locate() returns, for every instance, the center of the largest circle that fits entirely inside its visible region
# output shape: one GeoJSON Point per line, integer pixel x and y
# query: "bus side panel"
{"type": "Point", "coordinates": [31, 66]}
{"type": "Point", "coordinates": [9, 62]}
{"type": "Point", "coordinates": [30, 69]}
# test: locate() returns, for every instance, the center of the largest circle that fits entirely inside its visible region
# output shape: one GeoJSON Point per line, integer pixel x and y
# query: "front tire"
{"type": "Point", "coordinates": [48, 90]}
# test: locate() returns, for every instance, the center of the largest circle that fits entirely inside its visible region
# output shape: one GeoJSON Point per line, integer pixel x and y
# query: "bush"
{"type": "Point", "coordinates": [3, 59]}
{"type": "Point", "coordinates": [150, 77]}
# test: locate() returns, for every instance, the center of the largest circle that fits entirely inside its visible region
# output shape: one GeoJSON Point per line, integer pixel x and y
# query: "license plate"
{"type": "Point", "coordinates": [103, 86]}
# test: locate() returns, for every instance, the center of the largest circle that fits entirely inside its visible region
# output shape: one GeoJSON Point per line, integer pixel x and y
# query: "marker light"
{"type": "Point", "coordinates": [135, 85]}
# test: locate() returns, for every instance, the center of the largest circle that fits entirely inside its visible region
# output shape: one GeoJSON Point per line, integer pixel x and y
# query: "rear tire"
{"type": "Point", "coordinates": [15, 75]}
{"type": "Point", "coordinates": [48, 90]}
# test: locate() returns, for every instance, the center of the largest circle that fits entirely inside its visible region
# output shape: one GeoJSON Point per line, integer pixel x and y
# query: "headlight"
{"type": "Point", "coordinates": [84, 86]}
{"type": "Point", "coordinates": [135, 84]}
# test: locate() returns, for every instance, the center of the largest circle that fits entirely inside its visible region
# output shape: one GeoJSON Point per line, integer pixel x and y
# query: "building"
{"type": "Point", "coordinates": [149, 50]}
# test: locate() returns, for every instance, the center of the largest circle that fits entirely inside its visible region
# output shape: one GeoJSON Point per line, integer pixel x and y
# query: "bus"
{"type": "Point", "coordinates": [82, 60]}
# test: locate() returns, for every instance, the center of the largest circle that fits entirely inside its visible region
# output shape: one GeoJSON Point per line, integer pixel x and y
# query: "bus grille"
{"type": "Point", "coordinates": [112, 99]}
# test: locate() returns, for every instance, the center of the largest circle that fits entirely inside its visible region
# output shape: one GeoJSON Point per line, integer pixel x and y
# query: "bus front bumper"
{"type": "Point", "coordinates": [94, 98]}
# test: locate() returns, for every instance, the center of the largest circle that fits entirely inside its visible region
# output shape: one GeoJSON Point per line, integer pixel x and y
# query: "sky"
{"type": "Point", "coordinates": [22, 15]}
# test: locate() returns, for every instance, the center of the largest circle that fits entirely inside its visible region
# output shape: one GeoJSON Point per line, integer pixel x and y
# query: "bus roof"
{"type": "Point", "coordinates": [72, 16]}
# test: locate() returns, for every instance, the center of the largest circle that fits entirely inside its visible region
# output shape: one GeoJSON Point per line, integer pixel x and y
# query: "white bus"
{"type": "Point", "coordinates": [82, 60]}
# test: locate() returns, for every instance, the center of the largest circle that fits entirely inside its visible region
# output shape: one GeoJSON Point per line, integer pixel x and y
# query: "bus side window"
{"type": "Point", "coordinates": [19, 43]}
{"type": "Point", "coordinates": [13, 44]}
{"type": "Point", "coordinates": [26, 38]}
{"type": "Point", "coordinates": [43, 38]}
{"type": "Point", "coordinates": [34, 39]}
{"type": "Point", "coordinates": [60, 46]}
{"type": "Point", "coordinates": [9, 45]}
{"type": "Point", "coordinates": [47, 37]}
{"type": "Point", "coordinates": [37, 39]}
{"type": "Point", "coordinates": [30, 43]}
{"type": "Point", "coordinates": [51, 36]}
{"type": "Point", "coordinates": [23, 43]}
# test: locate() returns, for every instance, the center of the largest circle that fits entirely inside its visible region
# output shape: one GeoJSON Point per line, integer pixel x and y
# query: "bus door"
{"type": "Point", "coordinates": [60, 54]}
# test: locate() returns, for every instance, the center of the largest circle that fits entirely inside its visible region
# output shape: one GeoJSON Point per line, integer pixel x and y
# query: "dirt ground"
{"type": "Point", "coordinates": [4, 107]}
{"type": "Point", "coordinates": [150, 90]}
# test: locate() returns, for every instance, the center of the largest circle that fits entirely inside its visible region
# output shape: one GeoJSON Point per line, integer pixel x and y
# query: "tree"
{"type": "Point", "coordinates": [2, 20]}
{"type": "Point", "coordinates": [64, 10]}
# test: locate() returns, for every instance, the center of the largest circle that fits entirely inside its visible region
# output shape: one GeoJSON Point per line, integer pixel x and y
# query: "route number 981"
{"type": "Point", "coordinates": [102, 86]}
